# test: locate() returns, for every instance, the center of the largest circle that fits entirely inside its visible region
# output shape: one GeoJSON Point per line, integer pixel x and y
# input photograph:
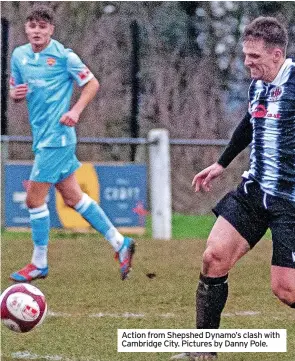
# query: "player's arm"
{"type": "Point", "coordinates": [18, 90]}
{"type": "Point", "coordinates": [86, 80]}
{"type": "Point", "coordinates": [88, 92]}
{"type": "Point", "coordinates": [241, 138]}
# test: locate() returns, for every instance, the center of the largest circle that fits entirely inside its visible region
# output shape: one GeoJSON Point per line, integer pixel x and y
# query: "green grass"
{"type": "Point", "coordinates": [183, 227]}
{"type": "Point", "coordinates": [84, 283]}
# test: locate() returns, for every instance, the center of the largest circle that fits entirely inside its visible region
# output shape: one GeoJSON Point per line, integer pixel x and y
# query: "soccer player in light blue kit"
{"type": "Point", "coordinates": [43, 72]}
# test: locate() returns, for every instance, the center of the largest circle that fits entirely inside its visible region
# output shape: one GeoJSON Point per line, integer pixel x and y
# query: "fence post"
{"type": "Point", "coordinates": [4, 158]}
{"type": "Point", "coordinates": [160, 183]}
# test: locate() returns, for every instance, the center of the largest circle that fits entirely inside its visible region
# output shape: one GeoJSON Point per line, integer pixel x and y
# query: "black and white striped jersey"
{"type": "Point", "coordinates": [272, 110]}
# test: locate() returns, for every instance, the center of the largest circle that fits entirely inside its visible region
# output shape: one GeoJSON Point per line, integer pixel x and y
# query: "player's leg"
{"type": "Point", "coordinates": [73, 197]}
{"type": "Point", "coordinates": [283, 260]}
{"type": "Point", "coordinates": [93, 213]}
{"type": "Point", "coordinates": [240, 224]}
{"type": "Point", "coordinates": [225, 246]}
{"type": "Point", "coordinates": [49, 165]}
{"type": "Point", "coordinates": [283, 284]}
{"type": "Point", "coordinates": [40, 225]}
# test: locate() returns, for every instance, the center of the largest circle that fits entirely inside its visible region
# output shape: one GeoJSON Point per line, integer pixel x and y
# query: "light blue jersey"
{"type": "Point", "coordinates": [50, 76]}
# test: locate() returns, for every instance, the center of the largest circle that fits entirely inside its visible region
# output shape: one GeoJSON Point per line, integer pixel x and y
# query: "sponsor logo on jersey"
{"type": "Point", "coordinates": [39, 83]}
{"type": "Point", "coordinates": [261, 112]}
{"type": "Point", "coordinates": [275, 93]}
{"type": "Point", "coordinates": [51, 61]}
{"type": "Point", "coordinates": [84, 73]}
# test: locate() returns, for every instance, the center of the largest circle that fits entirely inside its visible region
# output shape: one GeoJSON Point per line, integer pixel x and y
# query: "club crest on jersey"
{"type": "Point", "coordinates": [275, 93]}
{"type": "Point", "coordinates": [50, 61]}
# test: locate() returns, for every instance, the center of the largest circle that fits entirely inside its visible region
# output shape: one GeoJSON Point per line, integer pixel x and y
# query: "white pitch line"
{"type": "Point", "coordinates": [242, 313]}
{"type": "Point", "coordinates": [24, 355]}
{"type": "Point", "coordinates": [142, 315]}
{"type": "Point", "coordinates": [116, 315]}
{"type": "Point", "coordinates": [27, 355]}
{"type": "Point", "coordinates": [58, 314]}
{"type": "Point", "coordinates": [109, 314]}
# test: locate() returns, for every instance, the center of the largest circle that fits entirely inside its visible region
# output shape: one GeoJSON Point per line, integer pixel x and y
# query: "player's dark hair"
{"type": "Point", "coordinates": [268, 29]}
{"type": "Point", "coordinates": [40, 12]}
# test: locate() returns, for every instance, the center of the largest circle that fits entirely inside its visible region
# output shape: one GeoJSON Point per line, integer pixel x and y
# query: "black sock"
{"type": "Point", "coordinates": [211, 297]}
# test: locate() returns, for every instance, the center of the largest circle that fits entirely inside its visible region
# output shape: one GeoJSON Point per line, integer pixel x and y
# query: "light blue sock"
{"type": "Point", "coordinates": [40, 224]}
{"type": "Point", "coordinates": [94, 215]}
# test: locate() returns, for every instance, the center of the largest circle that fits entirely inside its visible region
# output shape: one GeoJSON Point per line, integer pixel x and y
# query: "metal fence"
{"type": "Point", "coordinates": [6, 139]}
{"type": "Point", "coordinates": [158, 143]}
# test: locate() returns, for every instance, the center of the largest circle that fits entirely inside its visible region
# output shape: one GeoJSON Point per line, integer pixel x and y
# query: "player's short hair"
{"type": "Point", "coordinates": [40, 12]}
{"type": "Point", "coordinates": [268, 29]}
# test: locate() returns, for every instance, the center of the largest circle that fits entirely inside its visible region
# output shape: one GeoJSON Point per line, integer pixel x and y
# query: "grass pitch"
{"type": "Point", "coordinates": [88, 302]}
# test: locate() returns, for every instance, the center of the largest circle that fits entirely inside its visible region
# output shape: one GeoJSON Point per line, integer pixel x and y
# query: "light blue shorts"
{"type": "Point", "coordinates": [52, 165]}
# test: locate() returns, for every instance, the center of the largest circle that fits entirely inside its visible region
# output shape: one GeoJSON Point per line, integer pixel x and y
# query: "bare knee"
{"type": "Point", "coordinates": [70, 191]}
{"type": "Point", "coordinates": [215, 263]}
{"type": "Point", "coordinates": [225, 246]}
{"type": "Point", "coordinates": [36, 194]}
{"type": "Point", "coordinates": [34, 201]}
{"type": "Point", "coordinates": [283, 284]}
{"type": "Point", "coordinates": [70, 196]}
{"type": "Point", "coordinates": [284, 292]}
{"type": "Point", "coordinates": [70, 201]}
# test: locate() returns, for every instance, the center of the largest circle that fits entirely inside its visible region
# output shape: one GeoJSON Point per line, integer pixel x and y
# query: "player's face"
{"type": "Point", "coordinates": [39, 33]}
{"type": "Point", "coordinates": [260, 60]}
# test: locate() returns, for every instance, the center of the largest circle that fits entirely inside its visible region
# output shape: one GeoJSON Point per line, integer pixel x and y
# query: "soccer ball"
{"type": "Point", "coordinates": [23, 307]}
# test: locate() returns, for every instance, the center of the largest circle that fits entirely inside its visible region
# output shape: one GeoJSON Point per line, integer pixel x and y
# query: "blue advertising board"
{"type": "Point", "coordinates": [120, 189]}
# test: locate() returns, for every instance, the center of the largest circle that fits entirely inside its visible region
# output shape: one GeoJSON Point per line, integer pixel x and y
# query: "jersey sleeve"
{"type": "Point", "coordinates": [78, 69]}
{"type": "Point", "coordinates": [15, 75]}
{"type": "Point", "coordinates": [241, 138]}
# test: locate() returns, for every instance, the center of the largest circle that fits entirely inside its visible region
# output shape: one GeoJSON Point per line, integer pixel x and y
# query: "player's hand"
{"type": "Point", "coordinates": [70, 118]}
{"type": "Point", "coordinates": [203, 180]}
{"type": "Point", "coordinates": [19, 92]}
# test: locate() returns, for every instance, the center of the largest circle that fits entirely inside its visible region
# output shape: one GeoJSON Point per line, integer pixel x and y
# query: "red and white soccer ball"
{"type": "Point", "coordinates": [23, 307]}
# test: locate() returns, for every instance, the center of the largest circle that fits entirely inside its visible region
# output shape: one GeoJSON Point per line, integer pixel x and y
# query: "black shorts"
{"type": "Point", "coordinates": [252, 211]}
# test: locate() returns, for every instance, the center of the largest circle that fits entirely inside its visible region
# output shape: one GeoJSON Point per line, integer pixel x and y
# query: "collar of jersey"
{"type": "Point", "coordinates": [44, 50]}
{"type": "Point", "coordinates": [277, 79]}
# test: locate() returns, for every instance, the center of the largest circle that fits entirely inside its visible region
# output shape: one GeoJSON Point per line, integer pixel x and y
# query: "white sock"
{"type": "Point", "coordinates": [39, 258]}
{"type": "Point", "coordinates": [95, 215]}
{"type": "Point", "coordinates": [115, 238]}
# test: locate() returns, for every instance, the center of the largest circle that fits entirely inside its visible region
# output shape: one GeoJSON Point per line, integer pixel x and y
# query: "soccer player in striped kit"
{"type": "Point", "coordinates": [266, 196]}
{"type": "Point", "coordinates": [43, 72]}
